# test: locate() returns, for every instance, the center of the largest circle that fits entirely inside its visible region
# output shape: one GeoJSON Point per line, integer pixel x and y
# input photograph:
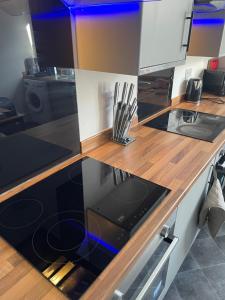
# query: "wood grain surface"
{"type": "Point", "coordinates": [165, 158]}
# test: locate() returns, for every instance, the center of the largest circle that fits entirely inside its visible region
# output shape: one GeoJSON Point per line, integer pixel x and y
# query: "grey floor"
{"type": "Point", "coordinates": [202, 275]}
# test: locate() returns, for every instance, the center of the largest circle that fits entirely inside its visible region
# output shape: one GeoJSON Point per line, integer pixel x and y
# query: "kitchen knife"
{"type": "Point", "coordinates": [125, 86]}
{"type": "Point", "coordinates": [115, 105]}
{"type": "Point", "coordinates": [132, 109]}
{"type": "Point", "coordinates": [120, 109]}
{"type": "Point", "coordinates": [130, 94]}
{"type": "Point", "coordinates": [125, 111]}
{"type": "Point", "coordinates": [129, 121]}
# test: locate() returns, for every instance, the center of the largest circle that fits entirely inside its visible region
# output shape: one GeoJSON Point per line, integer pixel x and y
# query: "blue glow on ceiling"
{"type": "Point", "coordinates": [112, 9]}
{"type": "Point", "coordinates": [109, 9]}
{"type": "Point", "coordinates": [55, 14]}
{"type": "Point", "coordinates": [91, 3]}
{"type": "Point", "coordinates": [208, 22]}
{"type": "Point", "coordinates": [103, 243]}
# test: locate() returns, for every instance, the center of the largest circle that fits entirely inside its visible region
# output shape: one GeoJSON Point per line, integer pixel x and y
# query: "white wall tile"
{"type": "Point", "coordinates": [95, 100]}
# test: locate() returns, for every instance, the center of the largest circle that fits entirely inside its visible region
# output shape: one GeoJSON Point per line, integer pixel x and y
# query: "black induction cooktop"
{"type": "Point", "coordinates": [189, 123]}
{"type": "Point", "coordinates": [72, 224]}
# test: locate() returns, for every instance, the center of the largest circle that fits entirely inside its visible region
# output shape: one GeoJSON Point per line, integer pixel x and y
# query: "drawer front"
{"type": "Point", "coordinates": [146, 279]}
{"type": "Point", "coordinates": [186, 228]}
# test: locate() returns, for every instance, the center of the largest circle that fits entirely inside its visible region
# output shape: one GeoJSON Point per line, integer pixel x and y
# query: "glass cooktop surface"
{"type": "Point", "coordinates": [189, 123]}
{"type": "Point", "coordinates": [72, 224]}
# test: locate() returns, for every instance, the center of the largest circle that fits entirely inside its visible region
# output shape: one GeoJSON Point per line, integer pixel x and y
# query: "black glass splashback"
{"type": "Point", "coordinates": [72, 224]}
{"type": "Point", "coordinates": [154, 92]}
{"type": "Point", "coordinates": [38, 107]}
{"type": "Point", "coordinates": [52, 33]}
{"type": "Point", "coordinates": [194, 124]}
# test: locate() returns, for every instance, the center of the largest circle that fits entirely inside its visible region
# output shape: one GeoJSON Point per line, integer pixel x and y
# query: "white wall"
{"type": "Point", "coordinates": [222, 62]}
{"type": "Point", "coordinates": [196, 64]}
{"type": "Point", "coordinates": [95, 100]}
{"type": "Point", "coordinates": [95, 94]}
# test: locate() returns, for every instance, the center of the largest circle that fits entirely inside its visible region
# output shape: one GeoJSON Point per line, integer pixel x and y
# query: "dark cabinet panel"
{"type": "Point", "coordinates": [154, 92]}
{"type": "Point", "coordinates": [52, 33]}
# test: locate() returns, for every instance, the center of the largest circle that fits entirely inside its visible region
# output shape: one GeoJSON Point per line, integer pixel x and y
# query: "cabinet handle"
{"type": "Point", "coordinates": [165, 231]}
{"type": "Point", "coordinates": [173, 242]}
{"type": "Point", "coordinates": [159, 267]}
{"type": "Point", "coordinates": [188, 18]}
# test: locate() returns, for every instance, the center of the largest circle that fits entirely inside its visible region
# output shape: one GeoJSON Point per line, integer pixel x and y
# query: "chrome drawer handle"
{"type": "Point", "coordinates": [173, 242]}
{"type": "Point", "coordinates": [158, 267]}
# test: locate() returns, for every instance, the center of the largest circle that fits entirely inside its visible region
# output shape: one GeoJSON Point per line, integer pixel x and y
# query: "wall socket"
{"type": "Point", "coordinates": [188, 73]}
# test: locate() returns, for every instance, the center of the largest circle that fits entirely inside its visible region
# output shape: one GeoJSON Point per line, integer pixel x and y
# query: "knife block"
{"type": "Point", "coordinates": [123, 113]}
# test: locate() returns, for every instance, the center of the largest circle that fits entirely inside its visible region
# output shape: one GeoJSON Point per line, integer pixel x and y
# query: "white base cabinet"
{"type": "Point", "coordinates": [186, 226]}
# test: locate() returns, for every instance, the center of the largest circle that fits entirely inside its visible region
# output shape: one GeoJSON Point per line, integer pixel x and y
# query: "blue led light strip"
{"type": "Point", "coordinates": [89, 3]}
{"type": "Point", "coordinates": [113, 9]}
{"type": "Point", "coordinates": [55, 14]}
{"type": "Point", "coordinates": [208, 22]}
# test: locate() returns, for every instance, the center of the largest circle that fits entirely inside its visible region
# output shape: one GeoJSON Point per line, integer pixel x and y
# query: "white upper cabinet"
{"type": "Point", "coordinates": [208, 34]}
{"type": "Point", "coordinates": [135, 38]}
{"type": "Point", "coordinates": [164, 34]}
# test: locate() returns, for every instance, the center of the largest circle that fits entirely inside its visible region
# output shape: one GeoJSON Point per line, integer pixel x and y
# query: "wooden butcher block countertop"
{"type": "Point", "coordinates": [168, 159]}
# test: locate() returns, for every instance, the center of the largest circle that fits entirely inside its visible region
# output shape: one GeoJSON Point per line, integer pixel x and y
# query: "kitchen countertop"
{"type": "Point", "coordinates": [168, 159]}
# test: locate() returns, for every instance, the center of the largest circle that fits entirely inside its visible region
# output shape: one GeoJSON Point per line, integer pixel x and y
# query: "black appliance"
{"type": "Point", "coordinates": [189, 123]}
{"type": "Point", "coordinates": [194, 90]}
{"type": "Point", "coordinates": [214, 82]}
{"type": "Point", "coordinates": [72, 224]}
{"type": "Point", "coordinates": [154, 92]}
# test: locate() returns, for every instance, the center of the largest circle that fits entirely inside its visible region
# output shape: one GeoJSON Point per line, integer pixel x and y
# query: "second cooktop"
{"type": "Point", "coordinates": [189, 123]}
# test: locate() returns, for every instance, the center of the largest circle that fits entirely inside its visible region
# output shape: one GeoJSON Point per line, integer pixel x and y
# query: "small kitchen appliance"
{"type": "Point", "coordinates": [214, 82]}
{"type": "Point", "coordinates": [72, 224]}
{"type": "Point", "coordinates": [194, 90]}
{"type": "Point", "coordinates": [194, 124]}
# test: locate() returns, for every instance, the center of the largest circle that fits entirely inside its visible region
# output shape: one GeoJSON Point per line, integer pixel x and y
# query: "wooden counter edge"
{"type": "Point", "coordinates": [107, 282]}
{"type": "Point", "coordinates": [104, 286]}
{"type": "Point", "coordinates": [37, 178]}
{"type": "Point", "coordinates": [86, 146]}
{"type": "Point", "coordinates": [104, 136]}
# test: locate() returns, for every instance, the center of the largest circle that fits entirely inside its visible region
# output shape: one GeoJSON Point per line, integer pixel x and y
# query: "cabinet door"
{"type": "Point", "coordinates": [208, 34]}
{"type": "Point", "coordinates": [186, 227]}
{"type": "Point", "coordinates": [165, 32]}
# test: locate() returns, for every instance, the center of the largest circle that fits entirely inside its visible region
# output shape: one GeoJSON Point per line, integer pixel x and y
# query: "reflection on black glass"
{"type": "Point", "coordinates": [154, 92]}
{"type": "Point", "coordinates": [37, 87]}
{"type": "Point", "coordinates": [189, 117]}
